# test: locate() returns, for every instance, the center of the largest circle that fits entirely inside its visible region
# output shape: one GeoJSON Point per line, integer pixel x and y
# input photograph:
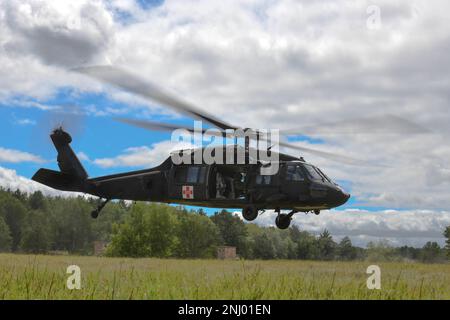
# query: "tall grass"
{"type": "Point", "coordinates": [44, 277]}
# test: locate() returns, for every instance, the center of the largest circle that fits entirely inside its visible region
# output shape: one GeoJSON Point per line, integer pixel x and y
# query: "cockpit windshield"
{"type": "Point", "coordinates": [324, 175]}
{"type": "Point", "coordinates": [313, 173]}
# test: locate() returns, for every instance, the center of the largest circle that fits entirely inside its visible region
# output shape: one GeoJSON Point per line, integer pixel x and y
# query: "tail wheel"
{"type": "Point", "coordinates": [283, 221]}
{"type": "Point", "coordinates": [250, 213]}
{"type": "Point", "coordinates": [94, 214]}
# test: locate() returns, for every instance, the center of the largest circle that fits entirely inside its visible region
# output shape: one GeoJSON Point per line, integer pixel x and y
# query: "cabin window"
{"type": "Point", "coordinates": [193, 174]}
{"type": "Point", "coordinates": [294, 173]}
{"type": "Point", "coordinates": [190, 174]}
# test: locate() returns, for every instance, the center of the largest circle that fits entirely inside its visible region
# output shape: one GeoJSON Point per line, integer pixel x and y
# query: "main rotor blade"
{"type": "Point", "coordinates": [134, 84]}
{"type": "Point", "coordinates": [385, 124]}
{"type": "Point", "coordinates": [150, 125]}
{"type": "Point", "coordinates": [326, 155]}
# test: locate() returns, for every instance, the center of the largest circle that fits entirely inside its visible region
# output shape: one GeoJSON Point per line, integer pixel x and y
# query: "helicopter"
{"type": "Point", "coordinates": [296, 186]}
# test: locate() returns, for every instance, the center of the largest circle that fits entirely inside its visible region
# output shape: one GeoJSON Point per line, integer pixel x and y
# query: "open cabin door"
{"type": "Point", "coordinates": [227, 182]}
{"type": "Point", "coordinates": [188, 182]}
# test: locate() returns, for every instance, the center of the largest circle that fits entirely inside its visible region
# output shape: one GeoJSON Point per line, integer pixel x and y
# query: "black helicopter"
{"type": "Point", "coordinates": [297, 186]}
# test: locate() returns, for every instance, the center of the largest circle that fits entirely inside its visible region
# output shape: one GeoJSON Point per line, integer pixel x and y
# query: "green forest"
{"type": "Point", "coordinates": [34, 223]}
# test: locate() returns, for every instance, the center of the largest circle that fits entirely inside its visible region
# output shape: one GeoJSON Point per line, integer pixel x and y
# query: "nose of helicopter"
{"type": "Point", "coordinates": [339, 196]}
{"type": "Point", "coordinates": [345, 197]}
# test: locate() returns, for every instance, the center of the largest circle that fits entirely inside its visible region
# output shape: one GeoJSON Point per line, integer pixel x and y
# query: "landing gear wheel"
{"type": "Point", "coordinates": [250, 213]}
{"type": "Point", "coordinates": [316, 212]}
{"type": "Point", "coordinates": [283, 221]}
{"type": "Point", "coordinates": [94, 214]}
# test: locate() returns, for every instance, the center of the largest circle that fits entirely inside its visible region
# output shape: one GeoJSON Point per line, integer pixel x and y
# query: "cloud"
{"type": "Point", "coordinates": [67, 33]}
{"type": "Point", "coordinates": [41, 40]}
{"type": "Point", "coordinates": [16, 156]}
{"type": "Point", "coordinates": [142, 156]}
{"type": "Point", "coordinates": [83, 156]}
{"type": "Point", "coordinates": [9, 179]}
{"type": "Point", "coordinates": [400, 227]}
{"type": "Point", "coordinates": [25, 122]}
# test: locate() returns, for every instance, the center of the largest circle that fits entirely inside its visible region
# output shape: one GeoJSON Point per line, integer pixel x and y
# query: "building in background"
{"type": "Point", "coordinates": [100, 247]}
{"type": "Point", "coordinates": [226, 252]}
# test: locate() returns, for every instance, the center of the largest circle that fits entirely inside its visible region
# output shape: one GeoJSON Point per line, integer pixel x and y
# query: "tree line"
{"type": "Point", "coordinates": [33, 223]}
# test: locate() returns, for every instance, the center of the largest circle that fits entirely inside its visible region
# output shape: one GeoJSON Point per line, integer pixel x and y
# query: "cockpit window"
{"type": "Point", "coordinates": [294, 173]}
{"type": "Point", "coordinates": [313, 173]}
{"type": "Point", "coordinates": [324, 175]}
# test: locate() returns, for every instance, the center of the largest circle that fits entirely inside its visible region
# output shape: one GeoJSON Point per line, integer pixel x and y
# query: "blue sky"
{"type": "Point", "coordinates": [96, 136]}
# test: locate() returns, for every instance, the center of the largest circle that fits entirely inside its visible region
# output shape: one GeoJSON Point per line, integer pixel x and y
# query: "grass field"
{"type": "Point", "coordinates": [44, 277]}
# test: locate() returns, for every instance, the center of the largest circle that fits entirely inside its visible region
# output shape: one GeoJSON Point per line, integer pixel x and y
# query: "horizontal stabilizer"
{"type": "Point", "coordinates": [57, 180]}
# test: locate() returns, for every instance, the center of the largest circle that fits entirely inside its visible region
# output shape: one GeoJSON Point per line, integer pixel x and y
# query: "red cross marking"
{"type": "Point", "coordinates": [188, 192]}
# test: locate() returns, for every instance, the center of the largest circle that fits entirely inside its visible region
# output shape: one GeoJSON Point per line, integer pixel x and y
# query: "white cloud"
{"type": "Point", "coordinates": [16, 156]}
{"type": "Point", "coordinates": [142, 156]}
{"type": "Point", "coordinates": [83, 156]}
{"type": "Point", "coordinates": [9, 179]}
{"type": "Point", "coordinates": [410, 227]}
{"type": "Point", "coordinates": [63, 33]}
{"type": "Point", "coordinates": [25, 122]}
{"type": "Point", "coordinates": [40, 40]}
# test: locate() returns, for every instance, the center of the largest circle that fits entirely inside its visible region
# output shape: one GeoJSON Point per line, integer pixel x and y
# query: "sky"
{"type": "Point", "coordinates": [262, 64]}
